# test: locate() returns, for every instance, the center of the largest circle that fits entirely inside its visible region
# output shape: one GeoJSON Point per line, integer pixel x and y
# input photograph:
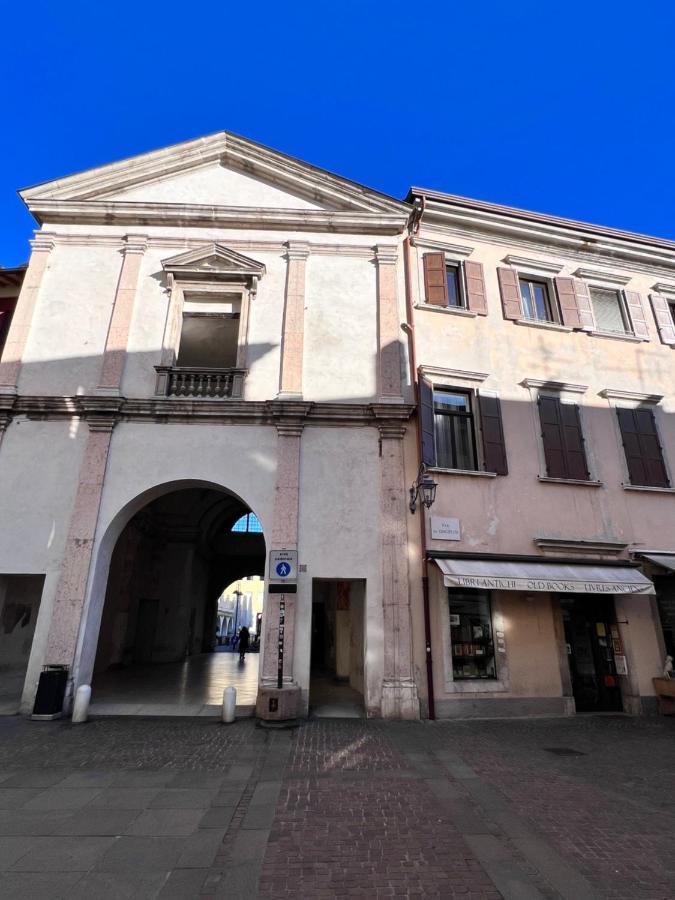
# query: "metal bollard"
{"type": "Point", "coordinates": [229, 704]}
{"type": "Point", "coordinates": [81, 705]}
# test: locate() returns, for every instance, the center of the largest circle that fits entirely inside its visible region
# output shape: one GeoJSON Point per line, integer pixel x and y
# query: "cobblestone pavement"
{"type": "Point", "coordinates": [142, 808]}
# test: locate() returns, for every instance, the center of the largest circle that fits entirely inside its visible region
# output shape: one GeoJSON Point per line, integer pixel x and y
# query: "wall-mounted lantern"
{"type": "Point", "coordinates": [423, 489]}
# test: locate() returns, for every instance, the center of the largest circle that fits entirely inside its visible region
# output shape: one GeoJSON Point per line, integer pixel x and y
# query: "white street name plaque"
{"type": "Point", "coordinates": [444, 529]}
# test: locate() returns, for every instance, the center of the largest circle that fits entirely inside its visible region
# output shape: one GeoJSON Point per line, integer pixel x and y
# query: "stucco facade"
{"type": "Point", "coordinates": [522, 514]}
{"type": "Point", "coordinates": [308, 267]}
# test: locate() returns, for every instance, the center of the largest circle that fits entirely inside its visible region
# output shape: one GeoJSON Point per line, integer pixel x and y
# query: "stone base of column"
{"type": "Point", "coordinates": [278, 704]}
{"type": "Point", "coordinates": [400, 700]}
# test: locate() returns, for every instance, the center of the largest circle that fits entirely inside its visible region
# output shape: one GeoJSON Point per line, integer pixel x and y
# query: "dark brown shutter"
{"type": "Point", "coordinates": [664, 318]}
{"type": "Point", "coordinates": [568, 302]}
{"type": "Point", "coordinates": [475, 287]}
{"type": "Point", "coordinates": [494, 446]}
{"type": "Point", "coordinates": [637, 315]}
{"type": "Point", "coordinates": [435, 279]}
{"type": "Point", "coordinates": [552, 436]}
{"type": "Point", "coordinates": [642, 447]}
{"type": "Point", "coordinates": [426, 413]}
{"type": "Point", "coordinates": [509, 287]}
{"type": "Point", "coordinates": [573, 442]}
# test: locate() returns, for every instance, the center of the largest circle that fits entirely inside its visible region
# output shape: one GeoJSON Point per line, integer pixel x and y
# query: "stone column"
{"type": "Point", "coordinates": [120, 319]}
{"type": "Point", "coordinates": [399, 691]}
{"type": "Point", "coordinates": [388, 326]}
{"type": "Point", "coordinates": [22, 319]}
{"type": "Point", "coordinates": [290, 382]}
{"type": "Point", "coordinates": [101, 412]}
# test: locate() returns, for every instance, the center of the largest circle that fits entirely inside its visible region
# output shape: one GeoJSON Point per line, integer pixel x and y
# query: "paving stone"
{"type": "Point", "coordinates": [36, 778]}
{"type": "Point", "coordinates": [137, 885]}
{"type": "Point", "coordinates": [39, 886]}
{"type": "Point", "coordinates": [96, 821]}
{"type": "Point", "coordinates": [62, 798]}
{"type": "Point", "coordinates": [217, 817]}
{"type": "Point", "coordinates": [165, 822]}
{"type": "Point", "coordinates": [33, 822]}
{"type": "Point", "coordinates": [200, 849]}
{"type": "Point", "coordinates": [208, 780]}
{"type": "Point", "coordinates": [13, 798]}
{"type": "Point", "coordinates": [125, 798]}
{"type": "Point", "coordinates": [12, 849]}
{"type": "Point", "coordinates": [144, 854]}
{"type": "Point", "coordinates": [182, 798]}
{"type": "Point", "coordinates": [63, 854]}
{"type": "Point", "coordinates": [184, 884]}
{"type": "Point", "coordinates": [88, 778]}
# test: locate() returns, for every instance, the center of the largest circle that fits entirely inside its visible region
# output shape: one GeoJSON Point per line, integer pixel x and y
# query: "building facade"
{"type": "Point", "coordinates": [544, 356]}
{"type": "Point", "coordinates": [204, 332]}
{"type": "Point", "coordinates": [216, 333]}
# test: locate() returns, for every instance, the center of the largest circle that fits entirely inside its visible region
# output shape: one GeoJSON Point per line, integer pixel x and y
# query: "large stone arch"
{"type": "Point", "coordinates": [103, 552]}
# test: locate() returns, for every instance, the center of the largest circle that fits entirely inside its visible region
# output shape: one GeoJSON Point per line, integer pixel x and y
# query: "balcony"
{"type": "Point", "coordinates": [195, 382]}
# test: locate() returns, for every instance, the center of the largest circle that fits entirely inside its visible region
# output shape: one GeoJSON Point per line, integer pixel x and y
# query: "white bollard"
{"type": "Point", "coordinates": [81, 705]}
{"type": "Point", "coordinates": [229, 704]}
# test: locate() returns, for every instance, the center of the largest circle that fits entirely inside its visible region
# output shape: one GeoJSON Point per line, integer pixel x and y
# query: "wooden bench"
{"type": "Point", "coordinates": [665, 691]}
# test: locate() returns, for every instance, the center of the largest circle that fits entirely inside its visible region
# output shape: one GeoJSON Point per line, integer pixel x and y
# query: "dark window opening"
{"type": "Point", "coordinates": [454, 431]}
{"type": "Point", "coordinates": [473, 652]}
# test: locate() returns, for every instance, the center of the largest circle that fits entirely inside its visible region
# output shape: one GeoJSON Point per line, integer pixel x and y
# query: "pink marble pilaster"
{"type": "Point", "coordinates": [284, 537]}
{"type": "Point", "coordinates": [17, 337]}
{"type": "Point", "coordinates": [399, 691]}
{"type": "Point", "coordinates": [115, 352]}
{"type": "Point", "coordinates": [72, 585]}
{"type": "Point", "coordinates": [290, 384]}
{"type": "Point", "coordinates": [388, 325]}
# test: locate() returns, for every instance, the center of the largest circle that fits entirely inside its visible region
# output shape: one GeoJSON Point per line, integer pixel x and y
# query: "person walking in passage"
{"type": "Point", "coordinates": [243, 642]}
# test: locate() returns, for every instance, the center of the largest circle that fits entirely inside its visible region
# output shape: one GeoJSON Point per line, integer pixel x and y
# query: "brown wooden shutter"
{"type": "Point", "coordinates": [567, 296]}
{"type": "Point", "coordinates": [664, 318]}
{"type": "Point", "coordinates": [642, 447]}
{"type": "Point", "coordinates": [637, 315]}
{"type": "Point", "coordinates": [475, 287]}
{"type": "Point", "coordinates": [584, 305]}
{"type": "Point", "coordinates": [426, 414]}
{"type": "Point", "coordinates": [573, 442]}
{"type": "Point", "coordinates": [494, 446]}
{"type": "Point", "coordinates": [552, 437]}
{"type": "Point", "coordinates": [509, 287]}
{"type": "Point", "coordinates": [435, 279]}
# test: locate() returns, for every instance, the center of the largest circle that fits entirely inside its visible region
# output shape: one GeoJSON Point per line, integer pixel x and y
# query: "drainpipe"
{"type": "Point", "coordinates": [410, 329]}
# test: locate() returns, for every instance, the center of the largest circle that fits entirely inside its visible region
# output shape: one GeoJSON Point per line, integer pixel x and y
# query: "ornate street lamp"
{"type": "Point", "coordinates": [423, 489]}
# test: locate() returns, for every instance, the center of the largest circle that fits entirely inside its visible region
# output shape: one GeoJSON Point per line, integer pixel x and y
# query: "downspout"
{"type": "Point", "coordinates": [410, 329]}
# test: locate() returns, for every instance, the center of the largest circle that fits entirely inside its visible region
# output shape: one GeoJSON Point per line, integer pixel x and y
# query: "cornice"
{"type": "Point", "coordinates": [540, 265]}
{"type": "Point", "coordinates": [599, 275]}
{"type": "Point", "coordinates": [101, 212]}
{"type": "Point", "coordinates": [664, 288]}
{"type": "Point", "coordinates": [166, 410]}
{"type": "Point", "coordinates": [562, 386]}
{"type": "Point", "coordinates": [453, 374]}
{"type": "Point", "coordinates": [612, 394]}
{"type": "Point", "coordinates": [544, 237]}
{"type": "Point", "coordinates": [453, 250]}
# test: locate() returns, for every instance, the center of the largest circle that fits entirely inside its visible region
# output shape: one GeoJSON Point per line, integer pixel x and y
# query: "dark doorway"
{"type": "Point", "coordinates": [590, 634]}
{"type": "Point", "coordinates": [337, 662]}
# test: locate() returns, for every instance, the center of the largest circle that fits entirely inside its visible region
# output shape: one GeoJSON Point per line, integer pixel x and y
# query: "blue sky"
{"type": "Point", "coordinates": [562, 108]}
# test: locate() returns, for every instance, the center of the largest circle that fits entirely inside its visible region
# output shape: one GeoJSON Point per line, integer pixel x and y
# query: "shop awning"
{"type": "Point", "coordinates": [665, 560]}
{"type": "Point", "coordinates": [560, 578]}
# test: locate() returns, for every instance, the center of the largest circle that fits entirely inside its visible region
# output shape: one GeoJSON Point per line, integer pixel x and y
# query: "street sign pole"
{"type": "Point", "coordinates": [280, 655]}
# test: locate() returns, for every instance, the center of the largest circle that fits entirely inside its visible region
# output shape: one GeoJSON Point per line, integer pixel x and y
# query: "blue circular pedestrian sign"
{"type": "Point", "coordinates": [283, 569]}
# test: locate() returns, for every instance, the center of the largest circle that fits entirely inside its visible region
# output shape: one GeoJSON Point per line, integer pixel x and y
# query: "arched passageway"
{"type": "Point", "coordinates": [160, 625]}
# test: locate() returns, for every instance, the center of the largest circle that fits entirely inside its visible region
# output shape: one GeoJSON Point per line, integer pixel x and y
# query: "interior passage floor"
{"type": "Point", "coordinates": [191, 687]}
{"type": "Point", "coordinates": [332, 699]}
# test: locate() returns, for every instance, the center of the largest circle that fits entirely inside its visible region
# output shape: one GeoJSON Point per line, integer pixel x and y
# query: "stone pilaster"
{"type": "Point", "coordinates": [17, 337]}
{"type": "Point", "coordinates": [399, 691]}
{"type": "Point", "coordinates": [388, 326]}
{"type": "Point", "coordinates": [284, 537]}
{"type": "Point", "coordinates": [120, 320]}
{"type": "Point", "coordinates": [290, 383]}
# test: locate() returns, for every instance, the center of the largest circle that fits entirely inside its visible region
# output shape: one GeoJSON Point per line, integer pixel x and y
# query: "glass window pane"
{"type": "Point", "coordinates": [464, 458]}
{"type": "Point", "coordinates": [528, 310]}
{"type": "Point", "coordinates": [541, 301]}
{"type": "Point", "coordinates": [607, 310]}
{"type": "Point", "coordinates": [471, 637]}
{"type": "Point", "coordinates": [444, 400]}
{"type": "Point", "coordinates": [454, 297]}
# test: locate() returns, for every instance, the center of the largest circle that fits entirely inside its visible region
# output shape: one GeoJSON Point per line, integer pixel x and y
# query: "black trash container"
{"type": "Point", "coordinates": [51, 691]}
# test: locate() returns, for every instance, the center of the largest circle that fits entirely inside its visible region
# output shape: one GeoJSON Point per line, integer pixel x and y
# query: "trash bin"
{"type": "Point", "coordinates": [50, 693]}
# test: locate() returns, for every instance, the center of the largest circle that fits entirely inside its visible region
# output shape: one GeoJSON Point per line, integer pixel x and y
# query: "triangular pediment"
{"type": "Point", "coordinates": [222, 171]}
{"type": "Point", "coordinates": [213, 260]}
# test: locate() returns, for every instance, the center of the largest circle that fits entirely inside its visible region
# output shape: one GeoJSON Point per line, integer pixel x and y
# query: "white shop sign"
{"type": "Point", "coordinates": [444, 529]}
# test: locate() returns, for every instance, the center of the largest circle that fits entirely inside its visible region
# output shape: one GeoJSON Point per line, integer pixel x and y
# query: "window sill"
{"type": "Point", "coordinates": [584, 482]}
{"type": "Point", "coordinates": [461, 472]}
{"type": "Point", "coordinates": [549, 326]}
{"type": "Point", "coordinates": [616, 336]}
{"type": "Point", "coordinates": [476, 686]}
{"type": "Point", "coordinates": [648, 487]}
{"type": "Point", "coordinates": [453, 310]}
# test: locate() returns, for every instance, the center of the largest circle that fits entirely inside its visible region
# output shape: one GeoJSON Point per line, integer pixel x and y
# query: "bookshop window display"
{"type": "Point", "coordinates": [471, 635]}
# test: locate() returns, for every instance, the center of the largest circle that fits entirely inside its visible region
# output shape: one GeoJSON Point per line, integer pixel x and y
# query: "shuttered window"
{"type": "Point", "coordinates": [454, 285]}
{"type": "Point", "coordinates": [449, 433]}
{"type": "Point", "coordinates": [644, 456]}
{"type": "Point", "coordinates": [609, 312]}
{"type": "Point", "coordinates": [563, 439]}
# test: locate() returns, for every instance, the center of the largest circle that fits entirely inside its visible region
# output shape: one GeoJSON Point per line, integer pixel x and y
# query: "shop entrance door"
{"type": "Point", "coordinates": [590, 633]}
